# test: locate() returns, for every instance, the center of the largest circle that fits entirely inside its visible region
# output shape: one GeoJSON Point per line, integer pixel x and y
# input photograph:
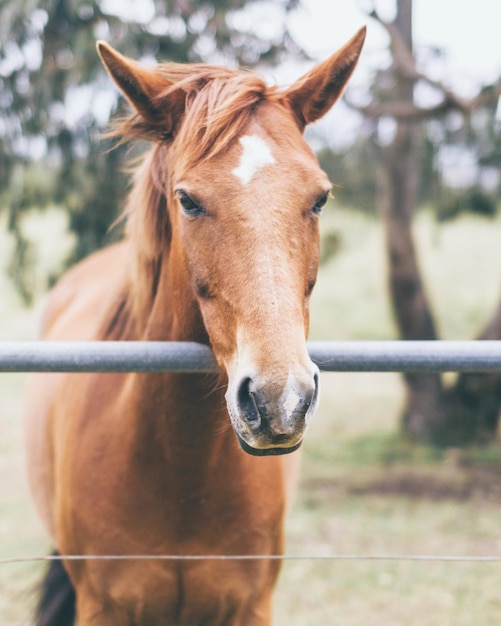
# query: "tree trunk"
{"type": "Point", "coordinates": [475, 399]}
{"type": "Point", "coordinates": [468, 411]}
{"type": "Point", "coordinates": [424, 415]}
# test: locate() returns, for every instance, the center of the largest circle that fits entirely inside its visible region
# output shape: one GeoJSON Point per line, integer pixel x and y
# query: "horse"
{"type": "Point", "coordinates": [221, 247]}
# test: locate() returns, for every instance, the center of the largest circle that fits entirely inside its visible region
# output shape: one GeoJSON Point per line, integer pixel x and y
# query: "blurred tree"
{"type": "Point", "coordinates": [355, 171]}
{"type": "Point", "coordinates": [469, 410]}
{"type": "Point", "coordinates": [55, 98]}
{"type": "Point", "coordinates": [479, 140]}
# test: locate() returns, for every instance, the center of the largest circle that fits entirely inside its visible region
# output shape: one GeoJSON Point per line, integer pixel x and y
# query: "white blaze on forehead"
{"type": "Point", "coordinates": [255, 155]}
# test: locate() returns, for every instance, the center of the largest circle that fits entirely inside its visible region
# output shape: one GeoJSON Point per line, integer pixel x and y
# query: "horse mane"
{"type": "Point", "coordinates": [218, 103]}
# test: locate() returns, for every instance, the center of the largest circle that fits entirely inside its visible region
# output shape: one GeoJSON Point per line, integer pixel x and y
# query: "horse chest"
{"type": "Point", "coordinates": [196, 518]}
{"type": "Point", "coordinates": [184, 594]}
{"type": "Point", "coordinates": [161, 514]}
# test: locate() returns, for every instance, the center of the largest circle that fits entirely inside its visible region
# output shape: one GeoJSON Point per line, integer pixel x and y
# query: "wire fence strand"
{"type": "Point", "coordinates": [257, 557]}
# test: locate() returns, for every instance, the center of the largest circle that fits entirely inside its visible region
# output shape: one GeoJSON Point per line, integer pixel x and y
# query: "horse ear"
{"type": "Point", "coordinates": [314, 94]}
{"type": "Point", "coordinates": [142, 87]}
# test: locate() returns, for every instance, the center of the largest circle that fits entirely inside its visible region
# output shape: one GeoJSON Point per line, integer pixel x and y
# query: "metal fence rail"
{"type": "Point", "coordinates": [330, 356]}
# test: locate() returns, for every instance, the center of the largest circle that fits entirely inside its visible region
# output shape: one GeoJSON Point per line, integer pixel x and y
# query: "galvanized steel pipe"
{"type": "Point", "coordinates": [330, 356]}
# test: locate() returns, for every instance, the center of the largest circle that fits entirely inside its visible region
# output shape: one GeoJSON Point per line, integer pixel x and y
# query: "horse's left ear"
{"type": "Point", "coordinates": [142, 88]}
{"type": "Point", "coordinates": [313, 95]}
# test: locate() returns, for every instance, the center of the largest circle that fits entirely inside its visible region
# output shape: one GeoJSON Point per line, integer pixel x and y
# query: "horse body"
{"type": "Point", "coordinates": [197, 504]}
{"type": "Point", "coordinates": [222, 248]}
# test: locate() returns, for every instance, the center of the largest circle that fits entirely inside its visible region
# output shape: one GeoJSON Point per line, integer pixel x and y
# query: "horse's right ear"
{"type": "Point", "coordinates": [142, 88]}
{"type": "Point", "coordinates": [314, 94]}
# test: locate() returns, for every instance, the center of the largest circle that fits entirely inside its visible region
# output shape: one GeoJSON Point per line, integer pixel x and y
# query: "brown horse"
{"type": "Point", "coordinates": [221, 248]}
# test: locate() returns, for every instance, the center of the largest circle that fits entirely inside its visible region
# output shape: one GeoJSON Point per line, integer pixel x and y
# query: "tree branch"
{"type": "Point", "coordinates": [405, 66]}
{"type": "Point", "coordinates": [401, 110]}
{"type": "Point", "coordinates": [411, 112]}
{"type": "Point", "coordinates": [403, 59]}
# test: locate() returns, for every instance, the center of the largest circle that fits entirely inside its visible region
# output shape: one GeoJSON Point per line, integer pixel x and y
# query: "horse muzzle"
{"type": "Point", "coordinates": [268, 422]}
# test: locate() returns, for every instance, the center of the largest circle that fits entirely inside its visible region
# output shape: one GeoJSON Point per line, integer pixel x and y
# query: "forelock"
{"type": "Point", "coordinates": [219, 104]}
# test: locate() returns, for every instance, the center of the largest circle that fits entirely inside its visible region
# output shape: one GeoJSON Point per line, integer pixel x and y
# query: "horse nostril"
{"type": "Point", "coordinates": [313, 398]}
{"type": "Point", "coordinates": [246, 401]}
{"type": "Point", "coordinates": [302, 400]}
{"type": "Point", "coordinates": [315, 388]}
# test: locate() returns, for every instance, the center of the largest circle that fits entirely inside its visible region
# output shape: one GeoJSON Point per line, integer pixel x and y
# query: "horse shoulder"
{"type": "Point", "coordinates": [78, 304]}
{"type": "Point", "coordinates": [74, 311]}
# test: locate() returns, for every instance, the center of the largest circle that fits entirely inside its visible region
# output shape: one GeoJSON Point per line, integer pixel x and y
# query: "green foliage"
{"type": "Point", "coordinates": [474, 200]}
{"type": "Point", "coordinates": [331, 244]}
{"type": "Point", "coordinates": [354, 175]}
{"type": "Point", "coordinates": [55, 98]}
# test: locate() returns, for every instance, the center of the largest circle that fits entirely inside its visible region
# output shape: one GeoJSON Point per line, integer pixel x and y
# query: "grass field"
{"type": "Point", "coordinates": [363, 490]}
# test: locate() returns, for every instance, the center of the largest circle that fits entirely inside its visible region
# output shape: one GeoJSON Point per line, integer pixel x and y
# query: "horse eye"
{"type": "Point", "coordinates": [320, 203]}
{"type": "Point", "coordinates": [190, 207]}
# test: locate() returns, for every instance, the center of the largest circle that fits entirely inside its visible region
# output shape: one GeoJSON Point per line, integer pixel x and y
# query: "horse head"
{"type": "Point", "coordinates": [242, 194]}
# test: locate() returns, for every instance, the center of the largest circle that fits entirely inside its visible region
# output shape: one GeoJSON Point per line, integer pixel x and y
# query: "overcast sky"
{"type": "Point", "coordinates": [468, 31]}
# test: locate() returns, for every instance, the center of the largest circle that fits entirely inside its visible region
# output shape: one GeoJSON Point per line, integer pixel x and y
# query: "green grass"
{"type": "Point", "coordinates": [363, 489]}
{"type": "Point", "coordinates": [461, 264]}
{"type": "Point", "coordinates": [20, 531]}
{"type": "Point", "coordinates": [392, 509]}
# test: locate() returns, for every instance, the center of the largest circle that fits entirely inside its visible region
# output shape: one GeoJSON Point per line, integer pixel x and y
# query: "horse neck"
{"type": "Point", "coordinates": [178, 412]}
{"type": "Point", "coordinates": [174, 314]}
